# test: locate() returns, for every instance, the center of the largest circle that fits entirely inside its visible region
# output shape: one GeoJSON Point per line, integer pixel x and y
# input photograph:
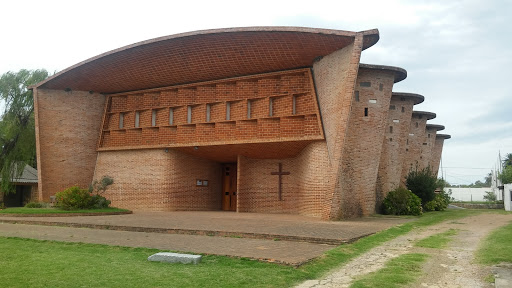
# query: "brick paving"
{"type": "Point", "coordinates": [248, 234]}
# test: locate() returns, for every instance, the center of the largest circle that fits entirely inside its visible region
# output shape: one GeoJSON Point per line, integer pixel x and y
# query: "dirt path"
{"type": "Point", "coordinates": [449, 267]}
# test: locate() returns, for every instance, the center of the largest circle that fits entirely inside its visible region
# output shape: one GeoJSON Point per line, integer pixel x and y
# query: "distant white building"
{"type": "Point", "coordinates": [495, 184]}
{"type": "Point", "coordinates": [468, 194]}
{"type": "Point", "coordinates": [507, 197]}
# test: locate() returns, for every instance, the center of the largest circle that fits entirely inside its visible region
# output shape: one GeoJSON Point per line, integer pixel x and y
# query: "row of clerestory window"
{"type": "Point", "coordinates": [208, 113]}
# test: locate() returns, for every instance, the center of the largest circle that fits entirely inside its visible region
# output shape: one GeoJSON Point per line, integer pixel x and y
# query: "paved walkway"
{"type": "Point", "coordinates": [245, 234]}
{"type": "Point", "coordinates": [286, 252]}
{"type": "Point", "coordinates": [218, 223]}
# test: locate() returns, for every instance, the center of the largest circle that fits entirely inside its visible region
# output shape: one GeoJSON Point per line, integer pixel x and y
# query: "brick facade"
{"type": "Point", "coordinates": [437, 152]}
{"type": "Point", "coordinates": [366, 127]}
{"type": "Point", "coordinates": [427, 151]}
{"type": "Point", "coordinates": [259, 98]}
{"type": "Point", "coordinates": [394, 143]}
{"type": "Point", "coordinates": [335, 76]}
{"type": "Point", "coordinates": [303, 191]}
{"type": "Point", "coordinates": [415, 142]}
{"type": "Point", "coordinates": [271, 107]}
{"type": "Point", "coordinates": [153, 179]}
{"type": "Point", "coordinates": [67, 132]}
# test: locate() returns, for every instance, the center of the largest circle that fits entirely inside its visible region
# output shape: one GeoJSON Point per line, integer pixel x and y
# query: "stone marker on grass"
{"type": "Point", "coordinates": [175, 258]}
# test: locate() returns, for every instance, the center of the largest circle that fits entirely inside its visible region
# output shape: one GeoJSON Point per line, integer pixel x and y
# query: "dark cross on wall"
{"type": "Point", "coordinates": [280, 173]}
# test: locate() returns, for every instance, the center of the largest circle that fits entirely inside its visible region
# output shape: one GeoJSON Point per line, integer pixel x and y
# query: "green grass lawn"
{"type": "Point", "coordinates": [477, 202]}
{"type": "Point", "coordinates": [497, 247]}
{"type": "Point", "coordinates": [34, 263]}
{"type": "Point", "coordinates": [23, 210]}
{"type": "Point", "coordinates": [437, 241]}
{"type": "Point", "coordinates": [398, 272]}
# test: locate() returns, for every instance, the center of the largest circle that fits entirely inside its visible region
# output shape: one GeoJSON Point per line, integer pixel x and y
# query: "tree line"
{"type": "Point", "coordinates": [17, 125]}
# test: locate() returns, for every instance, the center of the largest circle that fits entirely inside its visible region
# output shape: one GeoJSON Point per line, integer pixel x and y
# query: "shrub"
{"type": "Point", "coordinates": [2, 206]}
{"type": "Point", "coordinates": [440, 202]}
{"type": "Point", "coordinates": [402, 202]}
{"type": "Point", "coordinates": [422, 183]}
{"type": "Point", "coordinates": [99, 202]}
{"type": "Point", "coordinates": [102, 185]}
{"type": "Point", "coordinates": [73, 198]}
{"type": "Point", "coordinates": [34, 205]}
{"type": "Point", "coordinates": [490, 196]}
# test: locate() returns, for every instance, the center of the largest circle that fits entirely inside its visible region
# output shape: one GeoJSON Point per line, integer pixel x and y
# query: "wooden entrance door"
{"type": "Point", "coordinates": [229, 191]}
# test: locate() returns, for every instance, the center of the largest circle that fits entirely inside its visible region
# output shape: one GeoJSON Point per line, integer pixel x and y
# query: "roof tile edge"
{"type": "Point", "coordinates": [371, 35]}
{"type": "Point", "coordinates": [417, 97]}
{"type": "Point", "coordinates": [400, 73]}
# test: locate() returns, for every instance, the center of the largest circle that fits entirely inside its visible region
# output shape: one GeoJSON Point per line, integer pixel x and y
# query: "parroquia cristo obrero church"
{"type": "Point", "coordinates": [258, 119]}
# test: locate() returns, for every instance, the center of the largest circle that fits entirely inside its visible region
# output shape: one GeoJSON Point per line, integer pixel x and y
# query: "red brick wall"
{"type": "Point", "coordinates": [313, 179]}
{"type": "Point", "coordinates": [413, 147]}
{"type": "Point", "coordinates": [303, 191]}
{"type": "Point", "coordinates": [278, 89]}
{"type": "Point", "coordinates": [362, 149]}
{"type": "Point", "coordinates": [67, 132]}
{"type": "Point", "coordinates": [427, 150]}
{"type": "Point", "coordinates": [152, 179]}
{"type": "Point", "coordinates": [436, 155]}
{"type": "Point", "coordinates": [258, 190]}
{"type": "Point", "coordinates": [335, 76]}
{"type": "Point", "coordinates": [393, 151]}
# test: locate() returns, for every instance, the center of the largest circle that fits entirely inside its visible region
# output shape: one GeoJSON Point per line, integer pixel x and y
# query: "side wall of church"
{"type": "Point", "coordinates": [436, 154]}
{"type": "Point", "coordinates": [362, 149]}
{"type": "Point", "coordinates": [67, 131]}
{"type": "Point", "coordinates": [393, 146]}
{"type": "Point", "coordinates": [428, 149]}
{"type": "Point", "coordinates": [335, 76]}
{"type": "Point", "coordinates": [155, 180]}
{"type": "Point", "coordinates": [413, 146]}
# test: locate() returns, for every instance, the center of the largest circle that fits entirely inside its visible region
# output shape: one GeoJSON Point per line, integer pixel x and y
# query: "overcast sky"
{"type": "Point", "coordinates": [457, 53]}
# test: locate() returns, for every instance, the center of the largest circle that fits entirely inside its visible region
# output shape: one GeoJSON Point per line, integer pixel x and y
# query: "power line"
{"type": "Point", "coordinates": [467, 168]}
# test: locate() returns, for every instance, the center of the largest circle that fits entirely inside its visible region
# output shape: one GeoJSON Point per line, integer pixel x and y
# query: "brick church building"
{"type": "Point", "coordinates": [258, 119]}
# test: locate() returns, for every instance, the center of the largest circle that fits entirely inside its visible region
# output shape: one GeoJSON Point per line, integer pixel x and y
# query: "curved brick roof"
{"type": "Point", "coordinates": [400, 73]}
{"type": "Point", "coordinates": [429, 115]}
{"type": "Point", "coordinates": [202, 56]}
{"type": "Point", "coordinates": [435, 126]}
{"type": "Point", "coordinates": [444, 136]}
{"type": "Point", "coordinates": [416, 97]}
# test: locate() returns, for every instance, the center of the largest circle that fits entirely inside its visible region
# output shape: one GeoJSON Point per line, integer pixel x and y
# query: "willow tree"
{"type": "Point", "coordinates": [17, 126]}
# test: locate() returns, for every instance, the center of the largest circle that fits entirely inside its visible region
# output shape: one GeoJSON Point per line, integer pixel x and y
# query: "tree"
{"type": "Point", "coordinates": [423, 183]}
{"type": "Point", "coordinates": [506, 175]}
{"type": "Point", "coordinates": [488, 179]}
{"type": "Point", "coordinates": [478, 184]}
{"type": "Point", "coordinates": [17, 132]}
{"type": "Point", "coordinates": [441, 184]}
{"type": "Point", "coordinates": [508, 160]}
{"type": "Point", "coordinates": [490, 196]}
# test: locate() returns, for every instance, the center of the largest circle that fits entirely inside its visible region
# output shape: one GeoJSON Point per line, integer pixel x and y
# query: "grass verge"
{"type": "Point", "coordinates": [438, 240]}
{"type": "Point", "coordinates": [59, 264]}
{"type": "Point", "coordinates": [23, 210]}
{"type": "Point", "coordinates": [477, 202]}
{"type": "Point", "coordinates": [495, 249]}
{"type": "Point", "coordinates": [398, 272]}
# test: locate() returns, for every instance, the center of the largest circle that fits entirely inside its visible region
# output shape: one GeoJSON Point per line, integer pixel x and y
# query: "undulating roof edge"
{"type": "Point", "coordinates": [370, 37]}
{"type": "Point", "coordinates": [429, 115]}
{"type": "Point", "coordinates": [400, 73]}
{"type": "Point", "coordinates": [437, 127]}
{"type": "Point", "coordinates": [443, 136]}
{"type": "Point", "coordinates": [416, 97]}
